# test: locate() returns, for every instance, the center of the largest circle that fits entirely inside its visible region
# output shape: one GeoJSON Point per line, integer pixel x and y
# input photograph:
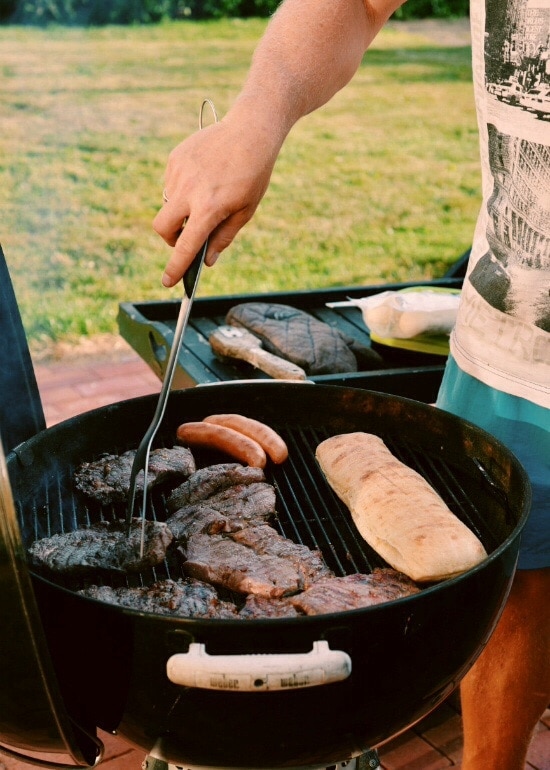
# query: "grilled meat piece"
{"type": "Point", "coordinates": [107, 479]}
{"type": "Point", "coordinates": [103, 546]}
{"type": "Point", "coordinates": [218, 559]}
{"type": "Point", "coordinates": [211, 481]}
{"type": "Point", "coordinates": [228, 511]}
{"type": "Point", "coordinates": [352, 592]}
{"type": "Point", "coordinates": [264, 540]}
{"type": "Point", "coordinates": [260, 607]}
{"type": "Point", "coordinates": [186, 598]}
{"type": "Point", "coordinates": [237, 566]}
{"type": "Point", "coordinates": [299, 337]}
{"type": "Point", "coordinates": [193, 519]}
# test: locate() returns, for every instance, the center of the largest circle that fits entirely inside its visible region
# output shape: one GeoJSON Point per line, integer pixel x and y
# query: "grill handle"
{"type": "Point", "coordinates": [258, 672]}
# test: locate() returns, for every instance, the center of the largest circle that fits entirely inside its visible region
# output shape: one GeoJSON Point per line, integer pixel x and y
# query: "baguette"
{"type": "Point", "coordinates": [396, 511]}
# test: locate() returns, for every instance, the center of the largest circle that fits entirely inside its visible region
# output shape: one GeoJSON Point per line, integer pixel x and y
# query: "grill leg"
{"type": "Point", "coordinates": [367, 761]}
{"type": "Point", "coordinates": [150, 763]}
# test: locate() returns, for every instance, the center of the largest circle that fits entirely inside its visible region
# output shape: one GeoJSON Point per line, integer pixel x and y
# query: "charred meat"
{"type": "Point", "coordinates": [107, 480]}
{"type": "Point", "coordinates": [265, 541]}
{"type": "Point", "coordinates": [260, 607]}
{"type": "Point", "coordinates": [299, 337]}
{"type": "Point", "coordinates": [218, 559]}
{"type": "Point", "coordinates": [185, 598]}
{"type": "Point", "coordinates": [269, 572]}
{"type": "Point", "coordinates": [102, 547]}
{"type": "Point", "coordinates": [210, 481]}
{"type": "Point", "coordinates": [232, 509]}
{"type": "Point", "coordinates": [352, 592]}
{"type": "Point", "coordinates": [219, 517]}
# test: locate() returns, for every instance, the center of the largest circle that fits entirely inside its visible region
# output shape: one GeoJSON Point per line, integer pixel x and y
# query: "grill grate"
{"type": "Point", "coordinates": [309, 512]}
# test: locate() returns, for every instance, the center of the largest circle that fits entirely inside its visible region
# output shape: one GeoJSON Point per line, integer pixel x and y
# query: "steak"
{"type": "Point", "coordinates": [210, 481]}
{"type": "Point", "coordinates": [193, 519]}
{"type": "Point", "coordinates": [218, 559]}
{"type": "Point", "coordinates": [107, 480]}
{"type": "Point", "coordinates": [228, 511]}
{"type": "Point", "coordinates": [314, 346]}
{"type": "Point", "coordinates": [352, 592]}
{"type": "Point", "coordinates": [187, 598]}
{"type": "Point", "coordinates": [259, 607]}
{"type": "Point", "coordinates": [237, 566]}
{"type": "Point", "coordinates": [264, 540]}
{"type": "Point", "coordinates": [103, 546]}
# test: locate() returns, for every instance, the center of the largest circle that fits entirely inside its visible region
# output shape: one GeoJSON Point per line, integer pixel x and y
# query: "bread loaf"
{"type": "Point", "coordinates": [395, 509]}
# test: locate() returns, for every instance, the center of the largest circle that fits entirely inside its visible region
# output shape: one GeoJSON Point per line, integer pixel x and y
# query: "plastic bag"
{"type": "Point", "coordinates": [407, 314]}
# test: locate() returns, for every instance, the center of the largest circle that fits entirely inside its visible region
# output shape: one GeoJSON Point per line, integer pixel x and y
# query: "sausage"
{"type": "Point", "coordinates": [270, 441]}
{"type": "Point", "coordinates": [233, 443]}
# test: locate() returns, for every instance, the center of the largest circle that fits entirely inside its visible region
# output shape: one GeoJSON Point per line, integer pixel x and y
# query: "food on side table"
{"type": "Point", "coordinates": [407, 313]}
{"type": "Point", "coordinates": [231, 342]}
{"type": "Point", "coordinates": [102, 547]}
{"type": "Point", "coordinates": [270, 441]}
{"type": "Point", "coordinates": [297, 336]}
{"type": "Point", "coordinates": [107, 479]}
{"type": "Point", "coordinates": [396, 510]}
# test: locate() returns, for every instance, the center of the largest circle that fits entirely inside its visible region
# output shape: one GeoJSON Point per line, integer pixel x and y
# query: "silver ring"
{"type": "Point", "coordinates": [164, 196]}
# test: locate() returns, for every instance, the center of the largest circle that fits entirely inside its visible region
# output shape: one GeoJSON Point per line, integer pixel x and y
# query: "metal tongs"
{"type": "Point", "coordinates": [141, 460]}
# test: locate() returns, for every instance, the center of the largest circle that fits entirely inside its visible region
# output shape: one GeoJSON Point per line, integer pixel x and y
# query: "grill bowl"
{"type": "Point", "coordinates": [407, 655]}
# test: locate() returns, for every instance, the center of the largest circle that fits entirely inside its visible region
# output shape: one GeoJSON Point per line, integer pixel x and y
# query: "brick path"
{"type": "Point", "coordinates": [68, 389]}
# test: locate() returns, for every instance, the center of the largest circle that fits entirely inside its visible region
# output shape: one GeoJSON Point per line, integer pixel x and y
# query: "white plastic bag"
{"type": "Point", "coordinates": [406, 314]}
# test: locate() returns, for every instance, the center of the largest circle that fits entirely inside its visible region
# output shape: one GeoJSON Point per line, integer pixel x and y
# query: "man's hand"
{"type": "Point", "coordinates": [215, 180]}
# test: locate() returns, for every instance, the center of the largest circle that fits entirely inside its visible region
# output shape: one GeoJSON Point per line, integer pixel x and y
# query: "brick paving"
{"type": "Point", "coordinates": [70, 388]}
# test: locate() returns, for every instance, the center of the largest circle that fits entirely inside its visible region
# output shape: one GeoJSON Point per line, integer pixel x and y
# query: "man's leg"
{"type": "Point", "coordinates": [508, 688]}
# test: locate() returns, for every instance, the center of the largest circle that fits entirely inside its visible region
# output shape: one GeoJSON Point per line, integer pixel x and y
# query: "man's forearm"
{"type": "Point", "coordinates": [311, 49]}
{"type": "Point", "coordinates": [216, 178]}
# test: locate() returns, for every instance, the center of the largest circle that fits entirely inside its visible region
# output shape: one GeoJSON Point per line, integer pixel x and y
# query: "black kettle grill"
{"type": "Point", "coordinates": [71, 665]}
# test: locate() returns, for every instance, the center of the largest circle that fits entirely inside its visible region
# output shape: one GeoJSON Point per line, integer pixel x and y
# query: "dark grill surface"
{"type": "Point", "coordinates": [308, 510]}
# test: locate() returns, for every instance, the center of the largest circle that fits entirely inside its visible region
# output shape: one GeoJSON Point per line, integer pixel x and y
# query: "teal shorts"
{"type": "Point", "coordinates": [524, 428]}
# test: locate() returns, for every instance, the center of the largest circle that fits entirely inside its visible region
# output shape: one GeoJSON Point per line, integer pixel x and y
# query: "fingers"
{"type": "Point", "coordinates": [169, 222]}
{"type": "Point", "coordinates": [187, 238]}
{"type": "Point", "coordinates": [189, 243]}
{"type": "Point", "coordinates": [214, 181]}
{"type": "Point", "coordinates": [186, 246]}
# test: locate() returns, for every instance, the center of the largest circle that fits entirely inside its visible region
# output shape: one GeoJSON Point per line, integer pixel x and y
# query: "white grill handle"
{"type": "Point", "coordinates": [258, 672]}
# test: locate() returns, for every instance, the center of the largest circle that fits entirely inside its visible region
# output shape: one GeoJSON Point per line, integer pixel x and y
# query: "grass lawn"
{"type": "Point", "coordinates": [382, 184]}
